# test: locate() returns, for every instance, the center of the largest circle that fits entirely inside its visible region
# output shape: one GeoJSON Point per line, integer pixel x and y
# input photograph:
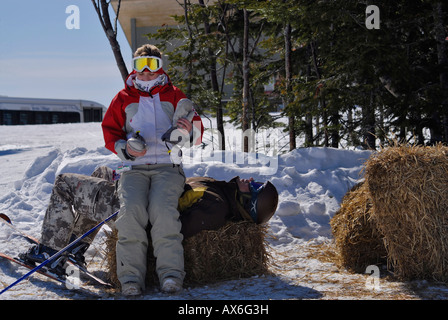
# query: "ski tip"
{"type": "Point", "coordinates": [5, 217]}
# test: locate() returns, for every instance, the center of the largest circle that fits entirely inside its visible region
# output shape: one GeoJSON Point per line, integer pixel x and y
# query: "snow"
{"type": "Point", "coordinates": [311, 183]}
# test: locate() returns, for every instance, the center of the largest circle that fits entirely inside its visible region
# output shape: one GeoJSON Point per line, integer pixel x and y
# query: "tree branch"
{"type": "Point", "coordinates": [102, 10]}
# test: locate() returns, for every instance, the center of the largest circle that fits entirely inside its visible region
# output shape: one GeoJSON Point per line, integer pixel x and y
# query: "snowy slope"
{"type": "Point", "coordinates": [311, 183]}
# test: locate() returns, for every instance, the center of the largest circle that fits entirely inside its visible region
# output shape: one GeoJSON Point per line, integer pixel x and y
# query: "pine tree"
{"type": "Point", "coordinates": [339, 79]}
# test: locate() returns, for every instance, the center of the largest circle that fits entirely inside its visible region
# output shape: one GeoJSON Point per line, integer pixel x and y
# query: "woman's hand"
{"type": "Point", "coordinates": [184, 124]}
{"type": "Point", "coordinates": [134, 153]}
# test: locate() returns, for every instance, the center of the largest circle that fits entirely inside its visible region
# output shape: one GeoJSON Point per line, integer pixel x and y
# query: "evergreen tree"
{"type": "Point", "coordinates": [338, 78]}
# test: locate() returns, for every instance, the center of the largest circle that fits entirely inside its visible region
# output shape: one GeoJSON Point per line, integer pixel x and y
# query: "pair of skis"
{"type": "Point", "coordinates": [46, 273]}
{"type": "Point", "coordinates": [4, 218]}
{"type": "Point", "coordinates": [40, 268]}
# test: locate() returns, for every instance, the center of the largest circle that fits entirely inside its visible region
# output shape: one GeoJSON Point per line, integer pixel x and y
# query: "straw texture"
{"type": "Point", "coordinates": [236, 250]}
{"type": "Point", "coordinates": [400, 212]}
{"type": "Point", "coordinates": [357, 239]}
{"type": "Point", "coordinates": [409, 190]}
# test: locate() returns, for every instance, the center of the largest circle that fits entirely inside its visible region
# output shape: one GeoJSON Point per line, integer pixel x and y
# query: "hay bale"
{"type": "Point", "coordinates": [409, 191]}
{"type": "Point", "coordinates": [236, 250]}
{"type": "Point", "coordinates": [357, 240]}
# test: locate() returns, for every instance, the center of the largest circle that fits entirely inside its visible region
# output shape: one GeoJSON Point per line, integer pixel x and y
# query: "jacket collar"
{"type": "Point", "coordinates": [129, 85]}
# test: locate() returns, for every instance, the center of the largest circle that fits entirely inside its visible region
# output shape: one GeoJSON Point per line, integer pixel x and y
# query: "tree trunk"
{"type": "Point", "coordinates": [334, 131]}
{"type": "Point", "coordinates": [309, 140]}
{"type": "Point", "coordinates": [102, 10]}
{"type": "Point", "coordinates": [245, 118]}
{"type": "Point", "coordinates": [368, 124]}
{"type": "Point", "coordinates": [351, 135]}
{"type": "Point", "coordinates": [309, 137]}
{"type": "Point", "coordinates": [322, 102]}
{"type": "Point", "coordinates": [214, 81]}
{"type": "Point", "coordinates": [291, 119]}
{"type": "Point", "coordinates": [442, 59]}
{"type": "Point", "coordinates": [190, 49]}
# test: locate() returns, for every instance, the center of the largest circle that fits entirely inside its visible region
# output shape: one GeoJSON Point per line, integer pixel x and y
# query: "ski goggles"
{"type": "Point", "coordinates": [249, 199]}
{"type": "Point", "coordinates": [147, 62]}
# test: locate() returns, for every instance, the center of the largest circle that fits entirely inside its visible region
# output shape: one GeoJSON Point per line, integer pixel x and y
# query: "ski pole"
{"type": "Point", "coordinates": [60, 252]}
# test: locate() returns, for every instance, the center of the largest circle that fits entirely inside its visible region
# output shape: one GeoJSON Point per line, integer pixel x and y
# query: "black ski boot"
{"type": "Point", "coordinates": [38, 253]}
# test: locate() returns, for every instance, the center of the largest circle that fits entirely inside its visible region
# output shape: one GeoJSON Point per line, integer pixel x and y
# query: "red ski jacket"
{"type": "Point", "coordinates": [150, 113]}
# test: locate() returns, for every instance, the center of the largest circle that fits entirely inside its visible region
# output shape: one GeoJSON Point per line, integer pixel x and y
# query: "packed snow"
{"type": "Point", "coordinates": [311, 183]}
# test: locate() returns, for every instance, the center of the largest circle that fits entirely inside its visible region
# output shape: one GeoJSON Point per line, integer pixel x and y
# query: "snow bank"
{"type": "Point", "coordinates": [311, 183]}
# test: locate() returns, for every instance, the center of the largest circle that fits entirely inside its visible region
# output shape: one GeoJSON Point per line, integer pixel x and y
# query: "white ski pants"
{"type": "Point", "coordinates": [150, 193]}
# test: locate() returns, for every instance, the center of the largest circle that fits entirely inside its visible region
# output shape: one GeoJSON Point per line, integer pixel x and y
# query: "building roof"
{"type": "Point", "coordinates": [44, 104]}
{"type": "Point", "coordinates": [147, 13]}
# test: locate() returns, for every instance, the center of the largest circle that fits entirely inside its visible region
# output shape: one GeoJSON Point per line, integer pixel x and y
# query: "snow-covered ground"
{"type": "Point", "coordinates": [311, 183]}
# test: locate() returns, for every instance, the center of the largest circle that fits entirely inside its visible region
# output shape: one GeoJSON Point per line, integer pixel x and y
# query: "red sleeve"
{"type": "Point", "coordinates": [197, 123]}
{"type": "Point", "coordinates": [113, 123]}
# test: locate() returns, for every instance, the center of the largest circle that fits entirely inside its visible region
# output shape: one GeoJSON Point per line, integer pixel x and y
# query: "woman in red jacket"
{"type": "Point", "coordinates": [142, 124]}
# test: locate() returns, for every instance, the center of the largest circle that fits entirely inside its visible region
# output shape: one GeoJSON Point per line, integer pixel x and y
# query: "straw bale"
{"type": "Point", "coordinates": [237, 250]}
{"type": "Point", "coordinates": [409, 191]}
{"type": "Point", "coordinates": [357, 240]}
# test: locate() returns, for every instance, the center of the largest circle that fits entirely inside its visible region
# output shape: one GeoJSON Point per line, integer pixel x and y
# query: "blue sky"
{"type": "Point", "coordinates": [41, 58]}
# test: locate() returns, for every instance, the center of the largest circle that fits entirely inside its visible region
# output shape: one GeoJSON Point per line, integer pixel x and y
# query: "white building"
{"type": "Point", "coordinates": [20, 111]}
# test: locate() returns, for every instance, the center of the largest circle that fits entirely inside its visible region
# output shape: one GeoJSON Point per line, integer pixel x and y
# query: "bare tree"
{"type": "Point", "coordinates": [102, 9]}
